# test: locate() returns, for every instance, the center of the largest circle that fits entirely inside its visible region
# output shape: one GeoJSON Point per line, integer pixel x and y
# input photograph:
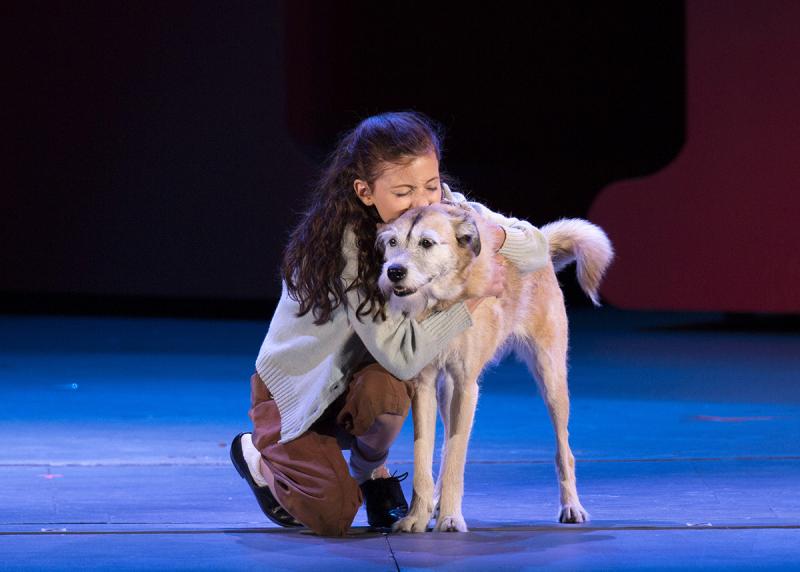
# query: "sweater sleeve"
{"type": "Point", "coordinates": [404, 346]}
{"type": "Point", "coordinates": [525, 245]}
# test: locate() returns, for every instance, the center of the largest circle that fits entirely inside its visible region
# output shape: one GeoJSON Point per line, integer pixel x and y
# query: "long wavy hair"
{"type": "Point", "coordinates": [312, 260]}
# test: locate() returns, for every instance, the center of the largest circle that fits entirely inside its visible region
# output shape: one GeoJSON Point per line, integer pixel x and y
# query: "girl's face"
{"type": "Point", "coordinates": [401, 187]}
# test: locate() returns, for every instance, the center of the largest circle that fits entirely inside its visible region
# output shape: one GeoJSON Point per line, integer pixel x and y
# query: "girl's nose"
{"type": "Point", "coordinates": [420, 201]}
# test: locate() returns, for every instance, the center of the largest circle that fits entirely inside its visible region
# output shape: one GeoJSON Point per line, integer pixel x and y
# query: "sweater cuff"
{"type": "Point", "coordinates": [443, 325]}
{"type": "Point", "coordinates": [516, 246]}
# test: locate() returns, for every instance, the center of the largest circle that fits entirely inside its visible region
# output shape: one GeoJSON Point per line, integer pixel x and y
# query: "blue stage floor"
{"type": "Point", "coordinates": [115, 436]}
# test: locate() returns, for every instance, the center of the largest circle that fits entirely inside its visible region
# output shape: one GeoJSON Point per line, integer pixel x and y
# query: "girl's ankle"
{"type": "Point", "coordinates": [380, 473]}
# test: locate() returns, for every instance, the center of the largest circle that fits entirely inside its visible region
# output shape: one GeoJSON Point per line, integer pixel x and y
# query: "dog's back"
{"type": "Point", "coordinates": [532, 305]}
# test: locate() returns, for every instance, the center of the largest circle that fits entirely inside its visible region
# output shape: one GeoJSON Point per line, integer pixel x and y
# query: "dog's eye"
{"type": "Point", "coordinates": [393, 242]}
{"type": "Point", "coordinates": [425, 243]}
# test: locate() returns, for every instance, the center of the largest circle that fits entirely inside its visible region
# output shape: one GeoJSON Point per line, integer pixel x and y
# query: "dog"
{"type": "Point", "coordinates": [438, 255]}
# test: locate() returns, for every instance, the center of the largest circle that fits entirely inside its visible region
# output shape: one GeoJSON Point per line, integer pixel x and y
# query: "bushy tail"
{"type": "Point", "coordinates": [574, 239]}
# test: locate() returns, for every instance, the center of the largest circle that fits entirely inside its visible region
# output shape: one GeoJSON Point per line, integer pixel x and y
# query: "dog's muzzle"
{"type": "Point", "coordinates": [403, 291]}
{"type": "Point", "coordinates": [396, 273]}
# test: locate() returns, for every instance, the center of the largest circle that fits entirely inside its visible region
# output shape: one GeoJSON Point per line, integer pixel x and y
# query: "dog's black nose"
{"type": "Point", "coordinates": [396, 273]}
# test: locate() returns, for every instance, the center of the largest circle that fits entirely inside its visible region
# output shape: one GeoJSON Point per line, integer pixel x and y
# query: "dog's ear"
{"type": "Point", "coordinates": [456, 206]}
{"type": "Point", "coordinates": [467, 234]}
{"type": "Point", "coordinates": [380, 245]}
{"type": "Point", "coordinates": [380, 250]}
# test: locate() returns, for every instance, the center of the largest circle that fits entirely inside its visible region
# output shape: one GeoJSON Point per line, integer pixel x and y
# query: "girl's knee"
{"type": "Point", "coordinates": [374, 392]}
{"type": "Point", "coordinates": [330, 510]}
{"type": "Point", "coordinates": [313, 483]}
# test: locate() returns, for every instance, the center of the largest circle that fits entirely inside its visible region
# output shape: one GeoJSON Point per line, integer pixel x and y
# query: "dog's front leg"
{"type": "Point", "coordinates": [423, 407]}
{"type": "Point", "coordinates": [444, 395]}
{"type": "Point", "coordinates": [462, 412]}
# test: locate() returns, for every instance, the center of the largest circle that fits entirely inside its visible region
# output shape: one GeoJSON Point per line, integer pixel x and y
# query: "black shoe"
{"type": "Point", "coordinates": [385, 501]}
{"type": "Point", "coordinates": [274, 511]}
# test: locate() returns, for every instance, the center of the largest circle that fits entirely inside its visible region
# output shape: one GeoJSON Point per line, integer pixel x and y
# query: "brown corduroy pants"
{"type": "Point", "coordinates": [312, 480]}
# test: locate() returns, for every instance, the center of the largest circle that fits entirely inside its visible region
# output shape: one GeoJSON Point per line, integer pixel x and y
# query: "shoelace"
{"type": "Point", "coordinates": [394, 477]}
{"type": "Point", "coordinates": [382, 483]}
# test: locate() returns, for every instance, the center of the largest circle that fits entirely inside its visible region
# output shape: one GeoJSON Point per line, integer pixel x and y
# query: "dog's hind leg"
{"type": "Point", "coordinates": [423, 408]}
{"type": "Point", "coordinates": [546, 358]}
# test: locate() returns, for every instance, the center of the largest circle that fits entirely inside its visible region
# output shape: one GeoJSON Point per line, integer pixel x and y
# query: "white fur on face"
{"type": "Point", "coordinates": [423, 242]}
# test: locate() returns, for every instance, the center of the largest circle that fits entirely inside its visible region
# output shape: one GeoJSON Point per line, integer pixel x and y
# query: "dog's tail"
{"type": "Point", "coordinates": [574, 239]}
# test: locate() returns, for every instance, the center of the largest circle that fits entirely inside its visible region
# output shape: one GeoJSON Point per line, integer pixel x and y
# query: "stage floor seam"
{"type": "Point", "coordinates": [407, 462]}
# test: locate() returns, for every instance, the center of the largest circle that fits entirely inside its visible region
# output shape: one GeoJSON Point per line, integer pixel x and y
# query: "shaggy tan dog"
{"type": "Point", "coordinates": [441, 254]}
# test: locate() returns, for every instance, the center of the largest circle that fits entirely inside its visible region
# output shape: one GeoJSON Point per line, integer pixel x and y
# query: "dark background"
{"type": "Point", "coordinates": [157, 154]}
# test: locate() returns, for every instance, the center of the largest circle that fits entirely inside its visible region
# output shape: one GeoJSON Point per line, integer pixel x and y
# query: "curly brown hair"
{"type": "Point", "coordinates": [312, 260]}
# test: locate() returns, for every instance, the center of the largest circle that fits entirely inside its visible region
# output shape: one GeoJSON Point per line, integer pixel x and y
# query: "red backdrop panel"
{"type": "Point", "coordinates": [717, 229]}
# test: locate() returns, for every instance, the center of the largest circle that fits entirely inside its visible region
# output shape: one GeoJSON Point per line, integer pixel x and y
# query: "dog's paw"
{"type": "Point", "coordinates": [573, 513]}
{"type": "Point", "coordinates": [453, 523]}
{"type": "Point", "coordinates": [411, 523]}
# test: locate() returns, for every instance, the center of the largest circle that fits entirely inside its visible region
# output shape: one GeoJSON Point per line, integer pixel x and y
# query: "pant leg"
{"type": "Point", "coordinates": [373, 391]}
{"type": "Point", "coordinates": [312, 481]}
{"type": "Point", "coordinates": [376, 405]}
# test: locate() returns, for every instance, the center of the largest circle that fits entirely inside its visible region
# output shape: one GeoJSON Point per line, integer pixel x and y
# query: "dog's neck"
{"type": "Point", "coordinates": [475, 276]}
{"type": "Point", "coordinates": [434, 306]}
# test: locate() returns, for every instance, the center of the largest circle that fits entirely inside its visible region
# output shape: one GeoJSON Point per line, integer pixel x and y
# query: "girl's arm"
{"type": "Point", "coordinates": [405, 346]}
{"type": "Point", "coordinates": [525, 245]}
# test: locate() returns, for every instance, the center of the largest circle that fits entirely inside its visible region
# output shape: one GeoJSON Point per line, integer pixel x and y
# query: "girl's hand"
{"type": "Point", "coordinates": [498, 283]}
{"type": "Point", "coordinates": [472, 303]}
{"type": "Point", "coordinates": [495, 287]}
{"type": "Point", "coordinates": [499, 235]}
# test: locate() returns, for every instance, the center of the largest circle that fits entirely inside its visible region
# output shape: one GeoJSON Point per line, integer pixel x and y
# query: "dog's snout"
{"type": "Point", "coordinates": [396, 273]}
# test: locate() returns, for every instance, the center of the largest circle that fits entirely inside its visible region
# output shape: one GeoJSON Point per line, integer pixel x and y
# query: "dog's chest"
{"type": "Point", "coordinates": [452, 353]}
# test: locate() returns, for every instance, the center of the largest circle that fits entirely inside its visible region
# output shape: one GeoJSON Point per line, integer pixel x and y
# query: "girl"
{"type": "Point", "coordinates": [333, 371]}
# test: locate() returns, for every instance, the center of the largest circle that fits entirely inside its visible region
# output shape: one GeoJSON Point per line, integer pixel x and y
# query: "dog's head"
{"type": "Point", "coordinates": [426, 252]}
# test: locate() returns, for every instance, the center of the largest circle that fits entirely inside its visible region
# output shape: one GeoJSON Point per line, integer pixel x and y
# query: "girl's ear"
{"type": "Point", "coordinates": [363, 191]}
